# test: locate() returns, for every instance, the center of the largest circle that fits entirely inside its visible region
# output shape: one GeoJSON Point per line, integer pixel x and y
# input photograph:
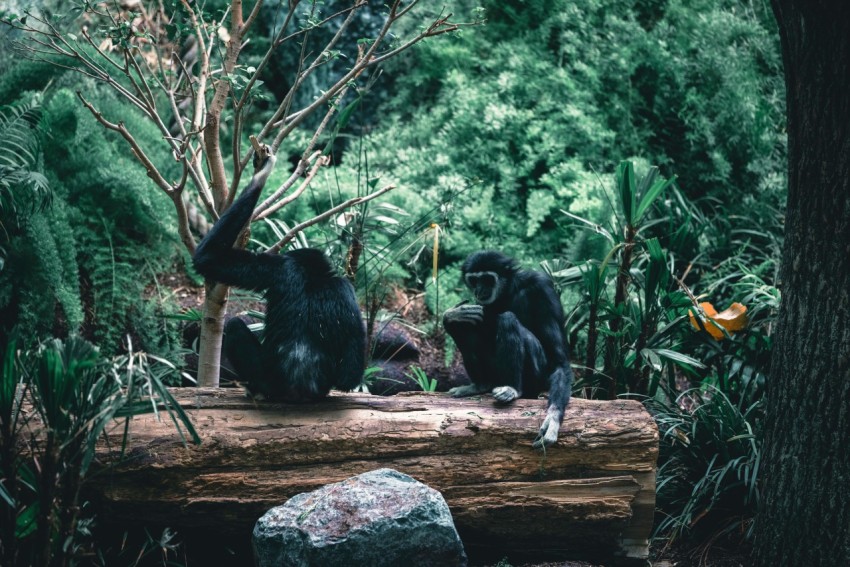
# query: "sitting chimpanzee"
{"type": "Point", "coordinates": [512, 341]}
{"type": "Point", "coordinates": [314, 337]}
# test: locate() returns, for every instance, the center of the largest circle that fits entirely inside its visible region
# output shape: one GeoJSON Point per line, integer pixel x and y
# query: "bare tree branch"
{"type": "Point", "coordinates": [287, 238]}
{"type": "Point", "coordinates": [183, 224]}
{"type": "Point", "coordinates": [154, 78]}
{"type": "Point", "coordinates": [153, 172]}
{"type": "Point", "coordinates": [438, 27]}
{"type": "Point", "coordinates": [286, 185]}
{"type": "Point", "coordinates": [255, 11]}
{"type": "Point", "coordinates": [104, 55]}
{"type": "Point", "coordinates": [272, 206]}
{"type": "Point", "coordinates": [212, 137]}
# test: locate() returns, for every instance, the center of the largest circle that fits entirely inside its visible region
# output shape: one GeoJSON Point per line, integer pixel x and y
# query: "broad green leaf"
{"type": "Point", "coordinates": [651, 194]}
{"type": "Point", "coordinates": [626, 186]}
{"type": "Point", "coordinates": [599, 229]}
{"type": "Point", "coordinates": [26, 523]}
{"type": "Point", "coordinates": [345, 114]}
{"type": "Point", "coordinates": [679, 358]}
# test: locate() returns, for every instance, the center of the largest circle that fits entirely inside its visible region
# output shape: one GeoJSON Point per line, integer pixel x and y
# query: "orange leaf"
{"type": "Point", "coordinates": [732, 319]}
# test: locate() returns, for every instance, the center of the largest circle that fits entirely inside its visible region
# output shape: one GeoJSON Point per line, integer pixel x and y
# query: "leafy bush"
{"type": "Point", "coordinates": [524, 111]}
{"type": "Point", "coordinates": [82, 264]}
{"type": "Point", "coordinates": [23, 189]}
{"type": "Point", "coordinates": [631, 312]}
{"type": "Point", "coordinates": [709, 465]}
{"type": "Point", "coordinates": [632, 320]}
{"type": "Point", "coordinates": [46, 454]}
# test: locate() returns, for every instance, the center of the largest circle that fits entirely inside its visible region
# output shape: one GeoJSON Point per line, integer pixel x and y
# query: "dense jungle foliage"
{"type": "Point", "coordinates": [633, 149]}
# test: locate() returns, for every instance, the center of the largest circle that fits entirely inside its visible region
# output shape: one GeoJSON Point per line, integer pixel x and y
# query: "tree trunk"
{"type": "Point", "coordinates": [212, 332]}
{"type": "Point", "coordinates": [592, 495]}
{"type": "Point", "coordinates": [804, 518]}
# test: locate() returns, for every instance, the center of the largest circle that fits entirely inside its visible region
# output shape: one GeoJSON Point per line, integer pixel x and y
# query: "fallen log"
{"type": "Point", "coordinates": [590, 496]}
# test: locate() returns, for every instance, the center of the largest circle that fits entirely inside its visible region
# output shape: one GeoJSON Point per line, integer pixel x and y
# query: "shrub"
{"type": "Point", "coordinates": [45, 454]}
{"type": "Point", "coordinates": [708, 475]}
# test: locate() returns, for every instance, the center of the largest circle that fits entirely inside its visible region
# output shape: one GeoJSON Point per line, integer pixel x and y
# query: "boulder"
{"type": "Point", "coordinates": [378, 518]}
{"type": "Point", "coordinates": [394, 342]}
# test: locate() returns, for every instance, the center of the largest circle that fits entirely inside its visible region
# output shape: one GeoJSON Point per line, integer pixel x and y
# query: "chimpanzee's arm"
{"type": "Point", "coordinates": [548, 315]}
{"type": "Point", "coordinates": [545, 318]}
{"type": "Point", "coordinates": [464, 324]}
{"type": "Point", "coordinates": [216, 259]}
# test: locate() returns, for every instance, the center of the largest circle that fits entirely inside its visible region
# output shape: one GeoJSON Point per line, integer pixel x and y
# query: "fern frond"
{"type": "Point", "coordinates": [19, 144]}
{"type": "Point", "coordinates": [23, 190]}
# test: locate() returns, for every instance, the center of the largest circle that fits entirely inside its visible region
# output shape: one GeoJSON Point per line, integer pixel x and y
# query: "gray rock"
{"type": "Point", "coordinates": [394, 342]}
{"type": "Point", "coordinates": [379, 518]}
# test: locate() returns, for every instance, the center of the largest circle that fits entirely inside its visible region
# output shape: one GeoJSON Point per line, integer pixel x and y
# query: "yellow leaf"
{"type": "Point", "coordinates": [732, 319]}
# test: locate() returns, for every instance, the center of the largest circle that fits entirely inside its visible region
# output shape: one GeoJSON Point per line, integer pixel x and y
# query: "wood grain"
{"type": "Point", "coordinates": [592, 495]}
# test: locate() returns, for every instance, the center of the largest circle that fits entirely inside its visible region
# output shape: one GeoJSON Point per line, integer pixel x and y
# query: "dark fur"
{"type": "Point", "coordinates": [520, 340]}
{"type": "Point", "coordinates": [314, 337]}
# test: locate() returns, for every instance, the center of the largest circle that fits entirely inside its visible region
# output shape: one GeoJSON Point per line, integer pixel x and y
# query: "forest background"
{"type": "Point", "coordinates": [538, 132]}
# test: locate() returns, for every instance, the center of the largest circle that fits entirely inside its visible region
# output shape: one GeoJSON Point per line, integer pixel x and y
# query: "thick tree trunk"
{"type": "Point", "coordinates": [591, 495]}
{"type": "Point", "coordinates": [804, 517]}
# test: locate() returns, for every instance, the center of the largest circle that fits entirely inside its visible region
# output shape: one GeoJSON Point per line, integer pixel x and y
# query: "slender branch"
{"type": "Point", "coordinates": [52, 46]}
{"type": "Point", "coordinates": [95, 67]}
{"type": "Point", "coordinates": [280, 115]}
{"type": "Point", "coordinates": [147, 90]}
{"type": "Point", "coordinates": [97, 48]}
{"type": "Point", "coordinates": [153, 172]}
{"type": "Point", "coordinates": [212, 137]}
{"type": "Point", "coordinates": [255, 11]}
{"type": "Point", "coordinates": [175, 110]}
{"type": "Point", "coordinates": [327, 119]}
{"type": "Point", "coordinates": [296, 174]}
{"type": "Point", "coordinates": [281, 41]}
{"type": "Point", "coordinates": [355, 71]}
{"type": "Point", "coordinates": [204, 61]}
{"type": "Point", "coordinates": [273, 208]}
{"type": "Point", "coordinates": [183, 228]}
{"type": "Point", "coordinates": [286, 103]}
{"type": "Point", "coordinates": [439, 27]}
{"type": "Point", "coordinates": [262, 65]}
{"type": "Point", "coordinates": [406, 9]}
{"type": "Point", "coordinates": [287, 238]}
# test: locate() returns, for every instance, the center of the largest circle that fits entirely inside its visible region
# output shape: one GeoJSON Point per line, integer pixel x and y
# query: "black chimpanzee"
{"type": "Point", "coordinates": [314, 337]}
{"type": "Point", "coordinates": [512, 341]}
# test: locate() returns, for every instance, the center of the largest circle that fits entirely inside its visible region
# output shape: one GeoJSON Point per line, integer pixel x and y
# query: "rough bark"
{"type": "Point", "coordinates": [592, 495]}
{"type": "Point", "coordinates": [804, 517]}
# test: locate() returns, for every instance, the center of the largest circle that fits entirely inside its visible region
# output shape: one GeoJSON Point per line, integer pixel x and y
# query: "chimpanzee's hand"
{"type": "Point", "coordinates": [464, 313]}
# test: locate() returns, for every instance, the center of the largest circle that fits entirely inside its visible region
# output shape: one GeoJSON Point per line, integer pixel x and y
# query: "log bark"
{"type": "Point", "coordinates": [592, 495]}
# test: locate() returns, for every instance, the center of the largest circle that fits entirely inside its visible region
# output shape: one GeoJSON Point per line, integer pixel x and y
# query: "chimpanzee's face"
{"type": "Point", "coordinates": [486, 286]}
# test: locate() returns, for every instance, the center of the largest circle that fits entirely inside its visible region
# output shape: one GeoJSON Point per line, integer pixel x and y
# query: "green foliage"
{"type": "Point", "coordinates": [631, 313]}
{"type": "Point", "coordinates": [23, 75]}
{"type": "Point", "coordinates": [38, 257]}
{"type": "Point", "coordinates": [42, 279]}
{"type": "Point", "coordinates": [421, 378]}
{"type": "Point", "coordinates": [45, 454]}
{"type": "Point", "coordinates": [23, 189]}
{"type": "Point", "coordinates": [493, 134]}
{"type": "Point", "coordinates": [714, 96]}
{"type": "Point", "coordinates": [98, 248]}
{"type": "Point", "coordinates": [709, 465]}
{"type": "Point", "coordinates": [522, 111]}
{"type": "Point", "coordinates": [633, 317]}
